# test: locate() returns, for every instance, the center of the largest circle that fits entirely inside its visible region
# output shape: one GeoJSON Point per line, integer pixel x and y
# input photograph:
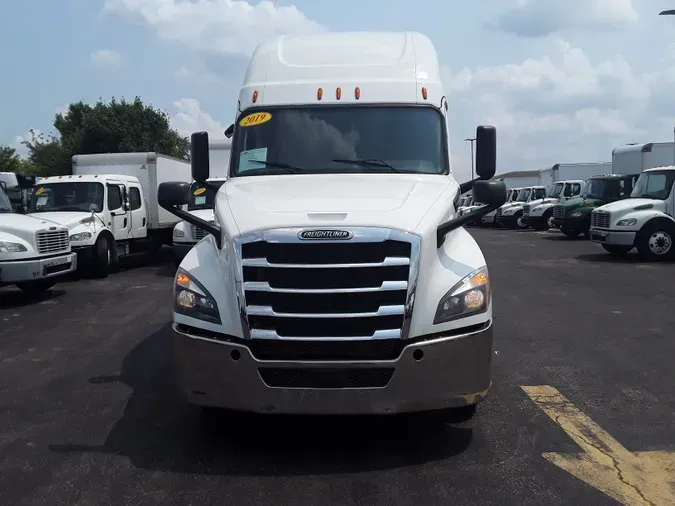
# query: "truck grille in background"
{"type": "Point", "coordinates": [526, 210]}
{"type": "Point", "coordinates": [600, 219]}
{"type": "Point", "coordinates": [198, 233]}
{"type": "Point", "coordinates": [559, 211]}
{"type": "Point", "coordinates": [326, 290]}
{"type": "Point", "coordinates": [52, 241]}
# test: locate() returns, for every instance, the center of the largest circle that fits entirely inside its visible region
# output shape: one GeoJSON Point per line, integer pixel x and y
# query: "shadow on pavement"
{"type": "Point", "coordinates": [160, 431]}
{"type": "Point", "coordinates": [603, 257]}
{"type": "Point", "coordinates": [11, 297]}
{"type": "Point", "coordinates": [562, 237]}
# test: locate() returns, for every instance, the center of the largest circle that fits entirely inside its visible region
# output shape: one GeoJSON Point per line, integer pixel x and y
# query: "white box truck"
{"type": "Point", "coordinates": [202, 200]}
{"type": "Point", "coordinates": [34, 253]}
{"type": "Point", "coordinates": [564, 182]}
{"type": "Point", "coordinates": [109, 205]}
{"type": "Point", "coordinates": [337, 276]}
{"type": "Point", "coordinates": [634, 158]}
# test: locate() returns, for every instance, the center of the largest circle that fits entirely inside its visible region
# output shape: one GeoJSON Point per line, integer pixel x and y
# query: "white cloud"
{"type": "Point", "coordinates": [18, 141]}
{"type": "Point", "coordinates": [105, 58]}
{"type": "Point", "coordinates": [225, 26]}
{"type": "Point", "coordinates": [538, 18]}
{"type": "Point", "coordinates": [562, 107]}
{"type": "Point", "coordinates": [190, 117]}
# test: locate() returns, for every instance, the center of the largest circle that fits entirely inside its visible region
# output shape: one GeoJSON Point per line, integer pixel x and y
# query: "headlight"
{"type": "Point", "coordinates": [11, 247]}
{"type": "Point", "coordinates": [626, 223]}
{"type": "Point", "coordinates": [178, 233]}
{"type": "Point", "coordinates": [468, 297]}
{"type": "Point", "coordinates": [82, 236]}
{"type": "Point", "coordinates": [575, 215]}
{"type": "Point", "coordinates": [192, 299]}
{"type": "Point", "coordinates": [536, 208]}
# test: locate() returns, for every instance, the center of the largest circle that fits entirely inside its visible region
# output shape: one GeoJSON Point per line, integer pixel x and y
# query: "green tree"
{"type": "Point", "coordinates": [11, 162]}
{"type": "Point", "coordinates": [115, 127]}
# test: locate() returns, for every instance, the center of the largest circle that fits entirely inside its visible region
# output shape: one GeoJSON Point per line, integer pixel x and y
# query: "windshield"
{"type": "Point", "coordinates": [513, 196]}
{"type": "Point", "coordinates": [66, 197]}
{"type": "Point", "coordinates": [539, 193]}
{"type": "Point", "coordinates": [594, 188]}
{"type": "Point", "coordinates": [5, 204]}
{"type": "Point", "coordinates": [554, 191]}
{"type": "Point", "coordinates": [523, 195]}
{"type": "Point", "coordinates": [202, 197]}
{"type": "Point", "coordinates": [654, 185]}
{"type": "Point", "coordinates": [351, 139]}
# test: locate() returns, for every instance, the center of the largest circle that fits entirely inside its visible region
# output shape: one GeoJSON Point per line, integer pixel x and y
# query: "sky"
{"type": "Point", "coordinates": [563, 82]}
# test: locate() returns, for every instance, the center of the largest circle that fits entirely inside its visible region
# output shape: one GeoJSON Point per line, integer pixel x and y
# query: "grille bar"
{"type": "Point", "coordinates": [387, 262]}
{"type": "Point", "coordinates": [378, 334]}
{"type": "Point", "coordinates": [268, 311]}
{"type": "Point", "coordinates": [386, 286]}
{"type": "Point", "coordinates": [49, 241]}
{"type": "Point", "coordinates": [600, 219]}
{"type": "Point", "coordinates": [559, 211]}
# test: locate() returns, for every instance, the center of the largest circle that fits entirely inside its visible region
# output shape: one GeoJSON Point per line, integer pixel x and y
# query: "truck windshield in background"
{"type": "Point", "coordinates": [654, 185]}
{"type": "Point", "coordinates": [594, 189]}
{"type": "Point", "coordinates": [523, 195]}
{"type": "Point", "coordinates": [202, 197]}
{"type": "Point", "coordinates": [554, 191]}
{"type": "Point", "coordinates": [74, 196]}
{"type": "Point", "coordinates": [340, 139]}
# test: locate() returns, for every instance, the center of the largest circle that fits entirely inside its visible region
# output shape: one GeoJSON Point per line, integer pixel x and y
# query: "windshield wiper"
{"type": "Point", "coordinates": [280, 165]}
{"type": "Point", "coordinates": [368, 163]}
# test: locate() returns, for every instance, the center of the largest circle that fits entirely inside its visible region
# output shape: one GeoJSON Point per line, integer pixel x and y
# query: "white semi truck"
{"type": "Point", "coordinates": [643, 221]}
{"type": "Point", "coordinates": [109, 205]}
{"type": "Point", "coordinates": [511, 215]}
{"type": "Point", "coordinates": [202, 201]}
{"type": "Point", "coordinates": [34, 253]}
{"type": "Point", "coordinates": [337, 276]}
{"type": "Point", "coordinates": [511, 196]}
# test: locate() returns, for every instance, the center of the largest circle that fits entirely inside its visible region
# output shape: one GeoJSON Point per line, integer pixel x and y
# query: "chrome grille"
{"type": "Point", "coordinates": [352, 289]}
{"type": "Point", "coordinates": [198, 233]}
{"type": "Point", "coordinates": [49, 241]}
{"type": "Point", "coordinates": [600, 219]}
{"type": "Point", "coordinates": [526, 210]}
{"type": "Point", "coordinates": [559, 211]}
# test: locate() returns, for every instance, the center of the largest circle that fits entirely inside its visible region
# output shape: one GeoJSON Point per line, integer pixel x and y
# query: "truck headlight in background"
{"type": "Point", "coordinates": [11, 247]}
{"type": "Point", "coordinates": [629, 222]}
{"type": "Point", "coordinates": [82, 236]}
{"type": "Point", "coordinates": [193, 300]}
{"type": "Point", "coordinates": [575, 215]}
{"type": "Point", "coordinates": [468, 297]}
{"type": "Point", "coordinates": [178, 233]}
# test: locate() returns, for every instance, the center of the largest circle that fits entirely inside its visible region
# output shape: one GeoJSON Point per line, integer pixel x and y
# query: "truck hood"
{"type": "Point", "coordinates": [626, 205]}
{"type": "Point", "coordinates": [539, 202]}
{"type": "Point", "coordinates": [67, 219]}
{"type": "Point", "coordinates": [22, 225]}
{"type": "Point", "coordinates": [203, 214]}
{"type": "Point", "coordinates": [395, 201]}
{"type": "Point", "coordinates": [581, 202]}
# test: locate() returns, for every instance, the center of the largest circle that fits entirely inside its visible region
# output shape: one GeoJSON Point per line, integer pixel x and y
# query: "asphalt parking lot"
{"type": "Point", "coordinates": [582, 400]}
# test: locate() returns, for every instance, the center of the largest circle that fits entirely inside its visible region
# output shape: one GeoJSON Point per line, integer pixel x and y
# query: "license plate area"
{"type": "Point", "coordinates": [56, 265]}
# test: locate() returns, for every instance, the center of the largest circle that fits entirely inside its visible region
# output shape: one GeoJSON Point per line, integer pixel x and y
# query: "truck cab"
{"type": "Point", "coordinates": [489, 218]}
{"type": "Point", "coordinates": [202, 203]}
{"type": "Point", "coordinates": [643, 221]}
{"type": "Point", "coordinates": [337, 277]}
{"type": "Point", "coordinates": [34, 253]}
{"type": "Point", "coordinates": [538, 214]}
{"type": "Point", "coordinates": [574, 216]}
{"type": "Point", "coordinates": [511, 215]}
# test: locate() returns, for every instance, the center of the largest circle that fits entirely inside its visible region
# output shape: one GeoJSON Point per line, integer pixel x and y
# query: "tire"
{"type": "Point", "coordinates": [616, 250]}
{"type": "Point", "coordinates": [568, 232]}
{"type": "Point", "coordinates": [34, 288]}
{"type": "Point", "coordinates": [518, 223]}
{"type": "Point", "coordinates": [655, 241]}
{"type": "Point", "coordinates": [102, 257]}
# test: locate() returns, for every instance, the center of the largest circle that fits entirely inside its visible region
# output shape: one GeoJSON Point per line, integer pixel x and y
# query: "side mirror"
{"type": "Point", "coordinates": [173, 193]}
{"type": "Point", "coordinates": [199, 156]}
{"type": "Point", "coordinates": [230, 131]}
{"type": "Point", "coordinates": [492, 193]}
{"type": "Point", "coordinates": [486, 152]}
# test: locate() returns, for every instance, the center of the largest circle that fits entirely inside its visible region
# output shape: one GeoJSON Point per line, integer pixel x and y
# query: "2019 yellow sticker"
{"type": "Point", "coordinates": [199, 191]}
{"type": "Point", "coordinates": [40, 191]}
{"type": "Point", "coordinates": [257, 118]}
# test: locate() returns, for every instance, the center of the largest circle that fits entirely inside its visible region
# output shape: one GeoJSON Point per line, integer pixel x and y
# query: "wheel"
{"type": "Point", "coordinates": [548, 217]}
{"type": "Point", "coordinates": [33, 288]}
{"type": "Point", "coordinates": [617, 250]}
{"type": "Point", "coordinates": [569, 232]}
{"type": "Point", "coordinates": [518, 221]}
{"type": "Point", "coordinates": [102, 257]}
{"type": "Point", "coordinates": [655, 241]}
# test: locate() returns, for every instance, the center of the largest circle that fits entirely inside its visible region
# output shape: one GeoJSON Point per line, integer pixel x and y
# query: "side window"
{"type": "Point", "coordinates": [114, 197]}
{"type": "Point", "coordinates": [569, 191]}
{"type": "Point", "coordinates": [624, 190]}
{"type": "Point", "coordinates": [134, 198]}
{"type": "Point", "coordinates": [576, 189]}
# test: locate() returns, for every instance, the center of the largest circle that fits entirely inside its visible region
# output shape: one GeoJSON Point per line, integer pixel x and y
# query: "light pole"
{"type": "Point", "coordinates": [471, 141]}
{"type": "Point", "coordinates": [670, 12]}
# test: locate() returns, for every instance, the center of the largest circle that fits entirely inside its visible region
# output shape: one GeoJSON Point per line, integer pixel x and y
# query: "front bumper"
{"type": "Point", "coordinates": [437, 373]}
{"type": "Point", "coordinates": [35, 269]}
{"type": "Point", "coordinates": [613, 237]}
{"type": "Point", "coordinates": [488, 219]}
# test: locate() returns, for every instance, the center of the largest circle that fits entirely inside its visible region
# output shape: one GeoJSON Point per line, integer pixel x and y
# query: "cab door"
{"type": "Point", "coordinates": [139, 215]}
{"type": "Point", "coordinates": [119, 210]}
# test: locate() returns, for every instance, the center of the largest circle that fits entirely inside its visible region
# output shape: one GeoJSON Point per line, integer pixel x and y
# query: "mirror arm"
{"type": "Point", "coordinates": [465, 187]}
{"type": "Point", "coordinates": [447, 227]}
{"type": "Point", "coordinates": [211, 228]}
